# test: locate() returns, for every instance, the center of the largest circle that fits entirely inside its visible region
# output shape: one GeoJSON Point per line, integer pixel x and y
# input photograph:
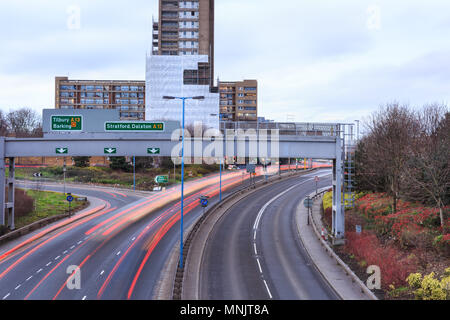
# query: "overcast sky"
{"type": "Point", "coordinates": [315, 60]}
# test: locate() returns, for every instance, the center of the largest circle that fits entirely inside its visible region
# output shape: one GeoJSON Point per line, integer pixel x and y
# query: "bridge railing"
{"type": "Point", "coordinates": [287, 128]}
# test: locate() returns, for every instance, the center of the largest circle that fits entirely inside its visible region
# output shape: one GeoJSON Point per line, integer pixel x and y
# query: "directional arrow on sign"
{"type": "Point", "coordinates": [62, 150]}
{"type": "Point", "coordinates": [110, 150]}
{"type": "Point", "coordinates": [153, 150]}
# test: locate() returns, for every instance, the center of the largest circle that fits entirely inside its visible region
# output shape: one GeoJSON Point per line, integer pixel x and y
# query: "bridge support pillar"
{"type": "Point", "coordinates": [2, 181]}
{"type": "Point", "coordinates": [11, 185]}
{"type": "Point", "coordinates": [338, 214]}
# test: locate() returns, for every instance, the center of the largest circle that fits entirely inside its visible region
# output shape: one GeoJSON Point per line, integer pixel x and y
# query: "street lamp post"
{"type": "Point", "coordinates": [182, 168]}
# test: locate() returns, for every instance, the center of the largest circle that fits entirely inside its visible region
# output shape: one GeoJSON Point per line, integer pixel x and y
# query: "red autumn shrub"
{"type": "Point", "coordinates": [394, 266]}
{"type": "Point", "coordinates": [327, 216]}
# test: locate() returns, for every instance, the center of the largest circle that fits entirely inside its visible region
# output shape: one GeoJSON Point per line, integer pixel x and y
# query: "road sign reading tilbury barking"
{"type": "Point", "coordinates": [66, 123]}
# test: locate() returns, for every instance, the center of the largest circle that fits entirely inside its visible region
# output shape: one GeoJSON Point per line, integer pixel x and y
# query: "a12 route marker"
{"type": "Point", "coordinates": [62, 150]}
{"type": "Point", "coordinates": [110, 150]}
{"type": "Point", "coordinates": [153, 150]}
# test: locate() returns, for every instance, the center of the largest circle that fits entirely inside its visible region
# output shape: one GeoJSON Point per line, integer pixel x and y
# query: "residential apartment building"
{"type": "Point", "coordinates": [238, 100]}
{"type": "Point", "coordinates": [186, 28]}
{"type": "Point", "coordinates": [182, 63]}
{"type": "Point", "coordinates": [126, 96]}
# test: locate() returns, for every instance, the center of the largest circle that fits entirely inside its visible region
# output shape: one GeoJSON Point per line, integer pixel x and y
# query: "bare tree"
{"type": "Point", "coordinates": [24, 122]}
{"type": "Point", "coordinates": [3, 125]}
{"type": "Point", "coordinates": [428, 169]}
{"type": "Point", "coordinates": [391, 130]}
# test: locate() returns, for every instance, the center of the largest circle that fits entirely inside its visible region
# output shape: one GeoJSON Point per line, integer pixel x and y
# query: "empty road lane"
{"type": "Point", "coordinates": [254, 251]}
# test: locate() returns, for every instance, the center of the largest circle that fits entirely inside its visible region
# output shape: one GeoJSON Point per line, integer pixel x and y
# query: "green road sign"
{"type": "Point", "coordinates": [139, 126]}
{"type": "Point", "coordinates": [161, 179]}
{"type": "Point", "coordinates": [110, 150]}
{"type": "Point", "coordinates": [62, 150]}
{"type": "Point", "coordinates": [66, 123]}
{"type": "Point", "coordinates": [153, 150]}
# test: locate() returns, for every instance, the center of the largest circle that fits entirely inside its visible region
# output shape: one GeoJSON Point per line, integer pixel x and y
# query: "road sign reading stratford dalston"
{"type": "Point", "coordinates": [66, 123]}
{"type": "Point", "coordinates": [138, 126]}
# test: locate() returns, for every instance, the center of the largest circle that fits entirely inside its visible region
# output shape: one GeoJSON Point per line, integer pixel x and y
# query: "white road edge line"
{"type": "Point", "coordinates": [259, 266]}
{"type": "Point", "coordinates": [29, 278]}
{"type": "Point", "coordinates": [268, 291]}
{"type": "Point", "coordinates": [6, 296]}
{"type": "Point", "coordinates": [48, 264]}
{"type": "Point", "coordinates": [84, 298]}
{"type": "Point", "coordinates": [17, 287]}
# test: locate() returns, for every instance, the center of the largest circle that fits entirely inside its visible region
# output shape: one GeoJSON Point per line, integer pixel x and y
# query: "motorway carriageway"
{"type": "Point", "coordinates": [254, 250]}
{"type": "Point", "coordinates": [120, 250]}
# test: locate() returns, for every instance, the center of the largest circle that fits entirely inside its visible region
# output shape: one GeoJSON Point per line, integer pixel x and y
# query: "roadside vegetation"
{"type": "Point", "coordinates": [119, 174]}
{"type": "Point", "coordinates": [35, 205]}
{"type": "Point", "coordinates": [402, 203]}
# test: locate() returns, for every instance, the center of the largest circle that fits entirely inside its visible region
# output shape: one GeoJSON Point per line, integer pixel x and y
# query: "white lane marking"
{"type": "Point", "coordinates": [39, 271]}
{"type": "Point", "coordinates": [79, 242]}
{"type": "Point", "coordinates": [6, 296]}
{"type": "Point", "coordinates": [29, 278]}
{"type": "Point", "coordinates": [57, 257]}
{"type": "Point", "coordinates": [118, 253]}
{"type": "Point", "coordinates": [268, 291]}
{"type": "Point", "coordinates": [134, 238]}
{"type": "Point", "coordinates": [260, 213]}
{"type": "Point", "coordinates": [17, 287]}
{"type": "Point", "coordinates": [48, 264]}
{"type": "Point", "coordinates": [72, 247]}
{"type": "Point", "coordinates": [84, 298]}
{"type": "Point", "coordinates": [257, 220]}
{"type": "Point", "coordinates": [65, 252]}
{"type": "Point", "coordinates": [259, 266]}
{"type": "Point", "coordinates": [103, 271]}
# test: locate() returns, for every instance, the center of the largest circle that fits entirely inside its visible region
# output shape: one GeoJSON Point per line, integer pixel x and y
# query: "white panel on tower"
{"type": "Point", "coordinates": [164, 77]}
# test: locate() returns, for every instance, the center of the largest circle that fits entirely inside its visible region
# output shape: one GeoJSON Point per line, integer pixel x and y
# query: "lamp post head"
{"type": "Point", "coordinates": [168, 97]}
{"type": "Point", "coordinates": [199, 98]}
